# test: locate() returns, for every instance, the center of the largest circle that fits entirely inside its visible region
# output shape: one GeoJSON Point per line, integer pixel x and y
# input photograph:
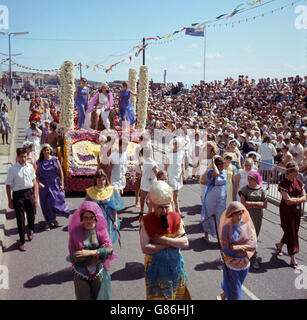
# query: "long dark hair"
{"type": "Point", "coordinates": [41, 154]}
{"type": "Point", "coordinates": [101, 173]}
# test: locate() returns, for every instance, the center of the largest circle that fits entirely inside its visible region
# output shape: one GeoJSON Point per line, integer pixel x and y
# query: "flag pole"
{"type": "Point", "coordinates": [144, 51]}
{"type": "Point", "coordinates": [204, 53]}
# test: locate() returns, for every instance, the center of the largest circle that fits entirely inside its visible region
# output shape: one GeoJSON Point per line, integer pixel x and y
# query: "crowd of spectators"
{"type": "Point", "coordinates": [268, 116]}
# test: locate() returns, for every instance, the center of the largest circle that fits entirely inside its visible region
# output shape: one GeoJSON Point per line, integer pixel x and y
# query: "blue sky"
{"type": "Point", "coordinates": [269, 46]}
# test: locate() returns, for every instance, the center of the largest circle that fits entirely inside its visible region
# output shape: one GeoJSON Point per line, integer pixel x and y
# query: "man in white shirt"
{"type": "Point", "coordinates": [21, 179]}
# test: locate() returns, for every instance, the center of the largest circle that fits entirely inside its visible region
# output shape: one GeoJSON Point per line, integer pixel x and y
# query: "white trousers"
{"type": "Point", "coordinates": [105, 119]}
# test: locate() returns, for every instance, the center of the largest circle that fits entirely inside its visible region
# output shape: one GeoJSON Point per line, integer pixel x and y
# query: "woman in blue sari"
{"type": "Point", "coordinates": [81, 97]}
{"type": "Point", "coordinates": [108, 200]}
{"type": "Point", "coordinates": [215, 196]}
{"type": "Point", "coordinates": [127, 114]}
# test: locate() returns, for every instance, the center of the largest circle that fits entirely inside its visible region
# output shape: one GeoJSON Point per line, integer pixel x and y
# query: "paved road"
{"type": "Point", "coordinates": [44, 273]}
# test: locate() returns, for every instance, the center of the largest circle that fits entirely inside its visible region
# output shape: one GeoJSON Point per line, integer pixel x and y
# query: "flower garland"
{"type": "Point", "coordinates": [66, 157]}
{"type": "Point", "coordinates": [132, 85]}
{"type": "Point", "coordinates": [67, 77]}
{"type": "Point", "coordinates": [143, 98]}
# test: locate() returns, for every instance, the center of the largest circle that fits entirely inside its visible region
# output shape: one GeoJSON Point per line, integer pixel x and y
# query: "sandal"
{"type": "Point", "coordinates": [22, 248]}
{"type": "Point", "coordinates": [294, 265]}
{"type": "Point", "coordinates": [47, 227]}
{"type": "Point", "coordinates": [256, 265]}
{"type": "Point", "coordinates": [278, 249]}
{"type": "Point", "coordinates": [221, 296]}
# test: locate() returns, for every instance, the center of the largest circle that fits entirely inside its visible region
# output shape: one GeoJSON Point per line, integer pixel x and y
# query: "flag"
{"type": "Point", "coordinates": [195, 32]}
{"type": "Point", "coordinates": [222, 15]}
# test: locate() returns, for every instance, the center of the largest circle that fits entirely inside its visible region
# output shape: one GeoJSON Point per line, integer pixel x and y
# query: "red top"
{"type": "Point", "coordinates": [294, 188]}
{"type": "Point", "coordinates": [152, 224]}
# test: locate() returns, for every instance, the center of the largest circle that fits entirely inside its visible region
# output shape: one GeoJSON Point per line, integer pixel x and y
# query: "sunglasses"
{"type": "Point", "coordinates": [240, 212]}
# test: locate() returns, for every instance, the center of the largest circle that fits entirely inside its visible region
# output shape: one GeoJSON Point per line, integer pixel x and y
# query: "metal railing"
{"type": "Point", "coordinates": [271, 180]}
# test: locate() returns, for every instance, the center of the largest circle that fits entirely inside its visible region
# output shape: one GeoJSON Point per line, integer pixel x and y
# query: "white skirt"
{"type": "Point", "coordinates": [120, 183]}
{"type": "Point", "coordinates": [176, 183]}
{"type": "Point", "coordinates": [146, 183]}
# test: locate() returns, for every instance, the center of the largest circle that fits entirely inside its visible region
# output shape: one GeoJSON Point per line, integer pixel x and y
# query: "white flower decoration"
{"type": "Point", "coordinates": [143, 98]}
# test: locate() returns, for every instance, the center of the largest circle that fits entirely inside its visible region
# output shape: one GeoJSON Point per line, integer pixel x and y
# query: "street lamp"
{"type": "Point", "coordinates": [10, 60]}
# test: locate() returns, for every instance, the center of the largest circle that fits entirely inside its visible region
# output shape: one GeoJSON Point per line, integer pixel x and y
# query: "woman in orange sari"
{"type": "Point", "coordinates": [238, 244]}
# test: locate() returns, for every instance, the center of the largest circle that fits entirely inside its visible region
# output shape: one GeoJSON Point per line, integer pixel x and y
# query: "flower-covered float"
{"type": "Point", "coordinates": [80, 158]}
{"type": "Point", "coordinates": [81, 147]}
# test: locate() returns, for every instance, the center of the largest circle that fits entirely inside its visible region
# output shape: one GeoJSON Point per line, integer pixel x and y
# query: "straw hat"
{"type": "Point", "coordinates": [46, 145]}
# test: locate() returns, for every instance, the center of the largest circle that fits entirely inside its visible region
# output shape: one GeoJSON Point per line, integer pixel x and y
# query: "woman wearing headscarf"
{"type": "Point", "coordinates": [293, 195]}
{"type": "Point", "coordinates": [91, 252]}
{"type": "Point", "coordinates": [50, 179]}
{"type": "Point", "coordinates": [108, 200]}
{"type": "Point", "coordinates": [215, 196]}
{"type": "Point", "coordinates": [238, 244]}
{"type": "Point", "coordinates": [253, 197]}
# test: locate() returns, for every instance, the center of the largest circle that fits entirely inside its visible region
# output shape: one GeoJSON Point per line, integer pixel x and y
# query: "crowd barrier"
{"type": "Point", "coordinates": [271, 178]}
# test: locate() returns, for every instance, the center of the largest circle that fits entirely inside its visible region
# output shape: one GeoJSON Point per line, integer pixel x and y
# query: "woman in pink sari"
{"type": "Point", "coordinates": [91, 252]}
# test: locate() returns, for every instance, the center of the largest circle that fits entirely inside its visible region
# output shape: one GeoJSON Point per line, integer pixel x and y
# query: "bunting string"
{"type": "Point", "coordinates": [170, 37]}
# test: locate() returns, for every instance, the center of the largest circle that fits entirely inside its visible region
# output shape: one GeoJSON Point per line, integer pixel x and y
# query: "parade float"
{"type": "Point", "coordinates": [80, 148]}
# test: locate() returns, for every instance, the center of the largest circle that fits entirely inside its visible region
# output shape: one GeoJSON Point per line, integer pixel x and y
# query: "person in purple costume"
{"type": "Point", "coordinates": [50, 179]}
{"type": "Point", "coordinates": [125, 107]}
{"type": "Point", "coordinates": [81, 101]}
{"type": "Point", "coordinates": [45, 130]}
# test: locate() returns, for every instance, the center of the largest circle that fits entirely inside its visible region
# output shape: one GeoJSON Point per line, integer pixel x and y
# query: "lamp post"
{"type": "Point", "coordinates": [10, 60]}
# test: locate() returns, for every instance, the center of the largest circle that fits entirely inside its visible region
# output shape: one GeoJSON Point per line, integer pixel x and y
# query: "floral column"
{"type": "Point", "coordinates": [62, 106]}
{"type": "Point", "coordinates": [67, 77]}
{"type": "Point", "coordinates": [132, 85]}
{"type": "Point", "coordinates": [143, 98]}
